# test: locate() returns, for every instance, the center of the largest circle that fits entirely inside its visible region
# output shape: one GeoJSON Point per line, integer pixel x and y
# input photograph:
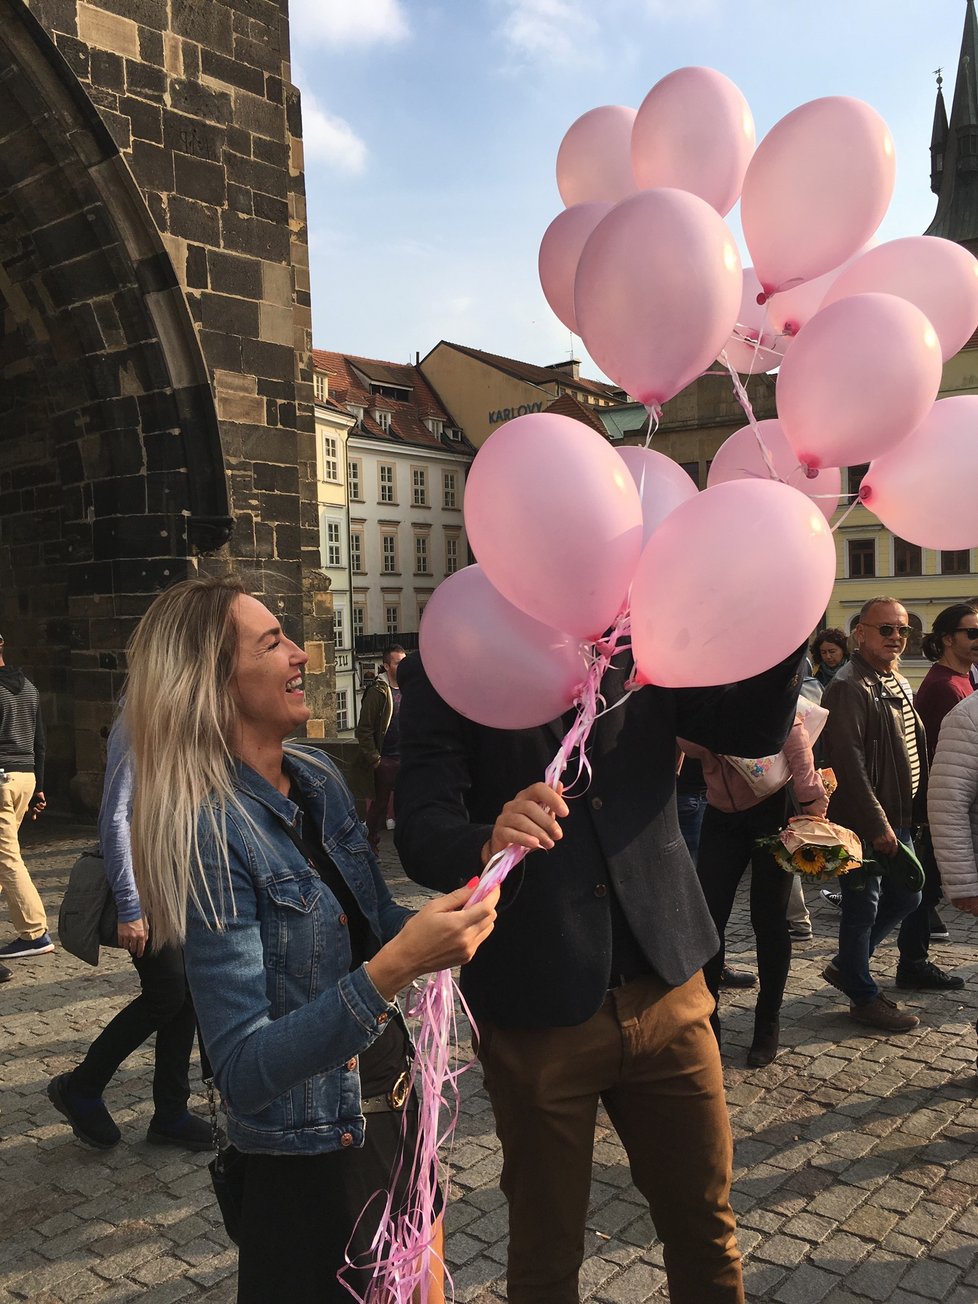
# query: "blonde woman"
{"type": "Point", "coordinates": [250, 854]}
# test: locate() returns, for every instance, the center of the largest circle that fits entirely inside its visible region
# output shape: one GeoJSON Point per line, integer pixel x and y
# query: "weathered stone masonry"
{"type": "Point", "coordinates": [154, 384]}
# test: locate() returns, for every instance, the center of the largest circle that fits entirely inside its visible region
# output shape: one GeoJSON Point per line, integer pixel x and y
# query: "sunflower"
{"type": "Point", "coordinates": [810, 860]}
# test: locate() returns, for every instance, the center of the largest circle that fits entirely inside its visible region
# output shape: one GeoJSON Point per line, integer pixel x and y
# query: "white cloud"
{"type": "Point", "coordinates": [347, 23]}
{"type": "Point", "coordinates": [331, 140]}
{"type": "Point", "coordinates": [556, 31]}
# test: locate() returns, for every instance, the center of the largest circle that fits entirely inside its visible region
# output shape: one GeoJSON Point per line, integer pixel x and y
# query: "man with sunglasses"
{"type": "Point", "coordinates": [874, 741]}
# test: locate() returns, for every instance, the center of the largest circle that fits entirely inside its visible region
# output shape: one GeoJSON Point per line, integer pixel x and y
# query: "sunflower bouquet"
{"type": "Point", "coordinates": [814, 847]}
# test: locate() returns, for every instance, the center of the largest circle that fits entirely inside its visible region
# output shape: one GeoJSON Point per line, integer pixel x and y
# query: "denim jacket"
{"type": "Point", "coordinates": [282, 1017]}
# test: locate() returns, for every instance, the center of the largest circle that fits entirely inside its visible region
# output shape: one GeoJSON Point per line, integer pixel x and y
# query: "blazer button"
{"type": "Point", "coordinates": [343, 921]}
{"type": "Point", "coordinates": [601, 889]}
{"type": "Point", "coordinates": [351, 1064]}
{"type": "Point", "coordinates": [346, 1139]}
{"type": "Point", "coordinates": [596, 803]}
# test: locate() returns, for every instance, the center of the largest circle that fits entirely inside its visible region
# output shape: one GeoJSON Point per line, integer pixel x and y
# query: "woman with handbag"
{"type": "Point", "coordinates": [249, 851]}
{"type": "Point", "coordinates": [738, 812]}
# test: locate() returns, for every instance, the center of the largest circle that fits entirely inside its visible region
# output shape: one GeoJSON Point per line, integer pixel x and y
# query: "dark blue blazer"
{"type": "Point", "coordinates": [547, 963]}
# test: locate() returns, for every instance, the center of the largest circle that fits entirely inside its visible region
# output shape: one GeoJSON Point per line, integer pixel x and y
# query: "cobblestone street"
{"type": "Point", "coordinates": [856, 1168]}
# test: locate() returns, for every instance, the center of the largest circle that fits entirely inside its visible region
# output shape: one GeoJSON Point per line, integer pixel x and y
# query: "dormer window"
{"type": "Point", "coordinates": [356, 411]}
{"type": "Point", "coordinates": [320, 386]}
{"type": "Point", "coordinates": [435, 425]}
{"type": "Point", "coordinates": [383, 419]}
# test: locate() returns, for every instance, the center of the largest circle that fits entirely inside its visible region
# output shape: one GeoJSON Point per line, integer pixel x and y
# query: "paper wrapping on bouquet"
{"type": "Point", "coordinates": [764, 774]}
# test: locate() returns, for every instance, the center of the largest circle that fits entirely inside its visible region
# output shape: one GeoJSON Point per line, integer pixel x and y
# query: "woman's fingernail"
{"type": "Point", "coordinates": [472, 882]}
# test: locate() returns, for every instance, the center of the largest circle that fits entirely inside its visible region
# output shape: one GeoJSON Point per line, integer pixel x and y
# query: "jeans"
{"type": "Point", "coordinates": [727, 847]}
{"type": "Point", "coordinates": [913, 939]}
{"type": "Point", "coordinates": [164, 1007]}
{"type": "Point", "coordinates": [872, 906]}
{"type": "Point", "coordinates": [690, 807]}
{"type": "Point", "coordinates": [649, 1056]}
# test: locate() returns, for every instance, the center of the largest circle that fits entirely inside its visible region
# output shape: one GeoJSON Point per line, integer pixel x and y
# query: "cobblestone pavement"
{"type": "Point", "coordinates": [856, 1164]}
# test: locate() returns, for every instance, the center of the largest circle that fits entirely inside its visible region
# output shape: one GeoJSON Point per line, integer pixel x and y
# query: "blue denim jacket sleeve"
{"type": "Point", "coordinates": [113, 824]}
{"type": "Point", "coordinates": [263, 1036]}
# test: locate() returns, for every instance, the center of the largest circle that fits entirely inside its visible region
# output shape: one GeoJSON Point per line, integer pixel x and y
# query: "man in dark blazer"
{"type": "Point", "coordinates": [590, 986]}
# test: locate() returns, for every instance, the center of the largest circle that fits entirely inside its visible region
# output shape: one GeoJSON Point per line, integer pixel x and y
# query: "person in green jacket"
{"type": "Point", "coordinates": [378, 737]}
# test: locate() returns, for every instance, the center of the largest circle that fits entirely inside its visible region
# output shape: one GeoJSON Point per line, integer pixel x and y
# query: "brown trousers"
{"type": "Point", "coordinates": [650, 1057]}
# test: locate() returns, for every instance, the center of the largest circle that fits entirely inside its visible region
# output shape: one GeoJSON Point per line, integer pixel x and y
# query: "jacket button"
{"type": "Point", "coordinates": [601, 889]}
{"type": "Point", "coordinates": [596, 803]}
{"type": "Point", "coordinates": [351, 1064]}
{"type": "Point", "coordinates": [346, 1139]}
{"type": "Point", "coordinates": [343, 921]}
{"type": "Point", "coordinates": [382, 1018]}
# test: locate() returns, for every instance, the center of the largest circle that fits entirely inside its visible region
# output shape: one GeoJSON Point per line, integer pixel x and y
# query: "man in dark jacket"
{"type": "Point", "coordinates": [21, 789]}
{"type": "Point", "coordinates": [874, 741]}
{"type": "Point", "coordinates": [590, 988]}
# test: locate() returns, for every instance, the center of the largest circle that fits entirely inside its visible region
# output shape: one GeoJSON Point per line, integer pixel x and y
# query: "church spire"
{"type": "Point", "coordinates": [954, 146]}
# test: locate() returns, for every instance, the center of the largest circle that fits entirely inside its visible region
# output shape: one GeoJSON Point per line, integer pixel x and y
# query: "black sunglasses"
{"type": "Point", "coordinates": [887, 630]}
{"type": "Point", "coordinates": [963, 629]}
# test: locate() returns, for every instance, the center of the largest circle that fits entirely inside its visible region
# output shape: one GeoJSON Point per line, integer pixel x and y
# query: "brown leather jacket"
{"type": "Point", "coordinates": [863, 744]}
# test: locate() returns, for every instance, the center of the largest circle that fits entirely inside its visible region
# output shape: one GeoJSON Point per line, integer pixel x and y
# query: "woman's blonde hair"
{"type": "Point", "coordinates": [181, 720]}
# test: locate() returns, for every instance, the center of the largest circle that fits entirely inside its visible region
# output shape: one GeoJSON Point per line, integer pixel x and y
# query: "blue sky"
{"type": "Point", "coordinates": [432, 129]}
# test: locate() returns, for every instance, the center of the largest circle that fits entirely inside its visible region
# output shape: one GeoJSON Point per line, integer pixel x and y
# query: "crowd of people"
{"type": "Point", "coordinates": [251, 901]}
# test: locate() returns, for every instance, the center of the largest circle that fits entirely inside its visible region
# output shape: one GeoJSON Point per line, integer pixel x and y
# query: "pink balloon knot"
{"type": "Point", "coordinates": [761, 299]}
{"type": "Point", "coordinates": [810, 464]}
{"type": "Point", "coordinates": [790, 328]}
{"type": "Point", "coordinates": [865, 493]}
{"type": "Point", "coordinates": [811, 472]}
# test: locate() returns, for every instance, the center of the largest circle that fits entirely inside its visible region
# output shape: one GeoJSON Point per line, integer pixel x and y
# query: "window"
{"type": "Point", "coordinates": [386, 473]}
{"type": "Point", "coordinates": [450, 489]}
{"type": "Point", "coordinates": [421, 555]}
{"type": "Point", "coordinates": [383, 419]}
{"type": "Point", "coordinates": [392, 618]}
{"type": "Point", "coordinates": [342, 711]}
{"type": "Point", "coordinates": [907, 558]}
{"type": "Point", "coordinates": [334, 543]}
{"type": "Point", "coordinates": [339, 627]}
{"type": "Point", "coordinates": [419, 480]}
{"type": "Point", "coordinates": [422, 603]}
{"type": "Point", "coordinates": [956, 563]}
{"type": "Point", "coordinates": [854, 477]}
{"type": "Point", "coordinates": [692, 469]}
{"type": "Point", "coordinates": [320, 385]}
{"type": "Point", "coordinates": [359, 619]}
{"type": "Point", "coordinates": [331, 461]}
{"type": "Point", "coordinates": [356, 551]}
{"type": "Point", "coordinates": [862, 558]}
{"type": "Point", "coordinates": [388, 548]}
{"type": "Point", "coordinates": [451, 554]}
{"type": "Point", "coordinates": [915, 639]}
{"type": "Point", "coordinates": [353, 474]}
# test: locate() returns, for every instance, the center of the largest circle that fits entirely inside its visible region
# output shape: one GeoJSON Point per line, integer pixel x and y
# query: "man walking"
{"type": "Point", "coordinates": [874, 741]}
{"type": "Point", "coordinates": [591, 987]}
{"type": "Point", "coordinates": [21, 790]}
{"type": "Point", "coordinates": [378, 736]}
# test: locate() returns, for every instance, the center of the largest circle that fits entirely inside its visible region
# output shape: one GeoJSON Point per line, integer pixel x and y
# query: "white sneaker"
{"type": "Point", "coordinates": [390, 824]}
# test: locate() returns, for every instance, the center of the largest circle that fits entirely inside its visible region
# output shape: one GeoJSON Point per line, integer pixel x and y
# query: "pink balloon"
{"type": "Point", "coordinates": [594, 162]}
{"type": "Point", "coordinates": [924, 489]}
{"type": "Point", "coordinates": [739, 458]}
{"type": "Point", "coordinates": [555, 521]}
{"type": "Point", "coordinates": [493, 663]}
{"type": "Point", "coordinates": [662, 485]}
{"type": "Point", "coordinates": [816, 189]}
{"type": "Point", "coordinates": [694, 131]}
{"type": "Point", "coordinates": [560, 250]}
{"type": "Point", "coordinates": [657, 292]}
{"type": "Point", "coordinates": [937, 275]}
{"type": "Point", "coordinates": [729, 584]}
{"type": "Point", "coordinates": [789, 310]}
{"type": "Point", "coordinates": [753, 346]}
{"type": "Point", "coordinates": [860, 376]}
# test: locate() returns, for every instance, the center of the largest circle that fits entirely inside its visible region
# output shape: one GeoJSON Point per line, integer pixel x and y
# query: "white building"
{"type": "Point", "coordinates": [406, 461]}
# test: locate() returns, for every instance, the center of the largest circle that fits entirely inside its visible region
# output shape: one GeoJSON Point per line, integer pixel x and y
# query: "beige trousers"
{"type": "Point", "coordinates": [23, 901]}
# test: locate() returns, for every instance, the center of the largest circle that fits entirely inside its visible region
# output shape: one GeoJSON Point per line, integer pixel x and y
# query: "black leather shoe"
{"type": "Point", "coordinates": [764, 1047]}
{"type": "Point", "coordinates": [736, 977]}
{"type": "Point", "coordinates": [927, 977]}
{"type": "Point", "coordinates": [188, 1133]}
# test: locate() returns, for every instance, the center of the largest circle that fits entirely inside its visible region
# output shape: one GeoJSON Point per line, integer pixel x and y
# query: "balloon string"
{"type": "Point", "coordinates": [854, 504]}
{"type": "Point", "coordinates": [744, 400]}
{"type": "Point", "coordinates": [401, 1253]}
{"type": "Point", "coordinates": [655, 414]}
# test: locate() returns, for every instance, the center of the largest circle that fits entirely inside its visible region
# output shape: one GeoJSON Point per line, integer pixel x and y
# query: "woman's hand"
{"type": "Point", "coordinates": [442, 934]}
{"type": "Point", "coordinates": [133, 936]}
{"type": "Point", "coordinates": [529, 820]}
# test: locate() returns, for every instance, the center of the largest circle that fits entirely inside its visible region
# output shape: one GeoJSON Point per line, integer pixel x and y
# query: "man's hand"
{"type": "Point", "coordinates": [38, 803]}
{"type": "Point", "coordinates": [887, 843]}
{"type": "Point", "coordinates": [529, 820]}
{"type": "Point", "coordinates": [968, 904]}
{"type": "Point", "coordinates": [134, 936]}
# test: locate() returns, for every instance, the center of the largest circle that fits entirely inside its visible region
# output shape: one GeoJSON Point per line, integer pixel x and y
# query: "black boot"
{"type": "Point", "coordinates": [764, 1047]}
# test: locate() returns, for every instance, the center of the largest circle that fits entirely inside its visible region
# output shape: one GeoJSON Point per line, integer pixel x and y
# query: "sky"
{"type": "Point", "coordinates": [431, 132]}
